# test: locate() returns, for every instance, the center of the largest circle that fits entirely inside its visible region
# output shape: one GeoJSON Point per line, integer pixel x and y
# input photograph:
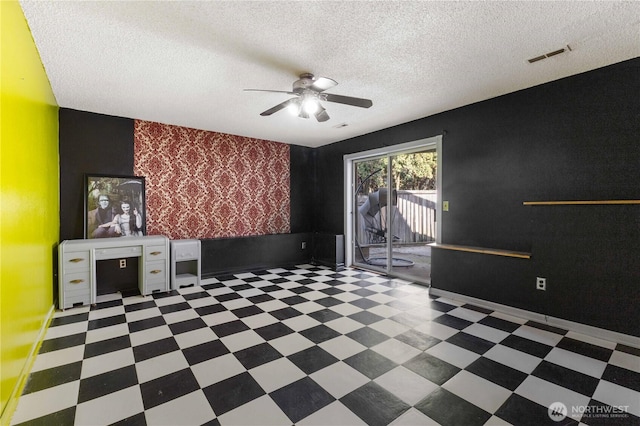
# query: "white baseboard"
{"type": "Point", "coordinates": [598, 333]}
{"type": "Point", "coordinates": [12, 402]}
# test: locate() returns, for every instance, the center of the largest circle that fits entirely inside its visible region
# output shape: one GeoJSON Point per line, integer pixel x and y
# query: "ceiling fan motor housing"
{"type": "Point", "coordinates": [305, 82]}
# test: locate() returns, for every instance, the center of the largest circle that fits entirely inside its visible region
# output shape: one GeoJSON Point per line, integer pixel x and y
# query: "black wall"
{"type": "Point", "coordinates": [571, 139]}
{"type": "Point", "coordinates": [101, 144]}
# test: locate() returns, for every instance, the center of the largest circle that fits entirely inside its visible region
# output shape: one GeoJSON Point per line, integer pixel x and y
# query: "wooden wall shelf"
{"type": "Point", "coordinates": [579, 203]}
{"type": "Point", "coordinates": [483, 250]}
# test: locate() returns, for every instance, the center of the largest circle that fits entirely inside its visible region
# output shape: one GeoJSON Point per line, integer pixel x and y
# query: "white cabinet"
{"type": "Point", "coordinates": [185, 263]}
{"type": "Point", "coordinates": [77, 265]}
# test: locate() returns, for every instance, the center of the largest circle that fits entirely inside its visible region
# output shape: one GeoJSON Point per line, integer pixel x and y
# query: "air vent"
{"type": "Point", "coordinates": [550, 54]}
{"type": "Point", "coordinates": [340, 126]}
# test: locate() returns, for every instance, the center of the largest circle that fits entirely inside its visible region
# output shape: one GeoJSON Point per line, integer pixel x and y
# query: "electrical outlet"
{"type": "Point", "coordinates": [123, 263]}
{"type": "Point", "coordinates": [304, 245]}
{"type": "Point", "coordinates": [541, 283]}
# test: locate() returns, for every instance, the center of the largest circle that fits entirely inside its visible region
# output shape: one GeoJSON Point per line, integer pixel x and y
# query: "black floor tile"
{"type": "Point", "coordinates": [260, 298]}
{"type": "Point", "coordinates": [204, 351]}
{"type": "Point", "coordinates": [271, 288]}
{"type": "Point", "coordinates": [301, 399]}
{"type": "Point", "coordinates": [566, 378]}
{"type": "Point", "coordinates": [366, 317]}
{"type": "Point", "coordinates": [477, 309]}
{"type": "Point", "coordinates": [156, 348]}
{"type": "Point", "coordinates": [453, 322]}
{"type": "Point", "coordinates": [210, 309]}
{"type": "Point", "coordinates": [176, 307]}
{"type": "Point", "coordinates": [247, 311]}
{"type": "Point", "coordinates": [449, 409]}
{"type": "Point", "coordinates": [257, 355]}
{"type": "Point", "coordinates": [273, 331]}
{"type": "Point", "coordinates": [331, 291]}
{"type": "Point", "coordinates": [324, 315]}
{"type": "Point", "coordinates": [586, 349]}
{"type": "Point", "coordinates": [364, 303]}
{"type": "Point", "coordinates": [367, 336]}
{"type": "Point", "coordinates": [228, 328]}
{"type": "Point", "coordinates": [327, 302]}
{"type": "Point", "coordinates": [186, 326]}
{"type": "Point", "coordinates": [233, 392]}
{"type": "Point", "coordinates": [527, 346]}
{"type": "Point", "coordinates": [500, 324]}
{"type": "Point", "coordinates": [227, 297]}
{"type": "Point", "coordinates": [370, 363]}
{"type": "Point", "coordinates": [497, 373]}
{"type": "Point", "coordinates": [408, 319]}
{"type": "Point", "coordinates": [417, 339]}
{"type": "Point", "coordinates": [107, 322]}
{"type": "Point", "coordinates": [135, 420]}
{"type": "Point", "coordinates": [521, 411]}
{"type": "Point", "coordinates": [285, 313]}
{"type": "Point", "coordinates": [320, 333]}
{"type": "Point", "coordinates": [51, 377]}
{"type": "Point", "coordinates": [431, 368]}
{"type": "Point", "coordinates": [312, 359]}
{"type": "Point", "coordinates": [106, 383]}
{"type": "Point", "coordinates": [105, 346]}
{"type": "Point", "coordinates": [65, 342]}
{"type": "Point", "coordinates": [196, 296]}
{"type": "Point", "coordinates": [628, 349]}
{"type": "Point", "coordinates": [69, 319]}
{"type": "Point", "coordinates": [471, 343]}
{"type": "Point", "coordinates": [375, 405]}
{"type": "Point", "coordinates": [301, 290]}
{"type": "Point", "coordinates": [622, 376]}
{"type": "Point", "coordinates": [168, 388]}
{"type": "Point", "coordinates": [146, 324]}
{"type": "Point", "coordinates": [441, 306]}
{"type": "Point", "coordinates": [62, 417]}
{"type": "Point", "coordinates": [293, 300]}
{"type": "Point", "coordinates": [148, 304]}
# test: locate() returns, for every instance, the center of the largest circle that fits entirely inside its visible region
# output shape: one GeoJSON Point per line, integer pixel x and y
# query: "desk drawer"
{"type": "Point", "coordinates": [77, 281]}
{"type": "Point", "coordinates": [152, 253]}
{"type": "Point", "coordinates": [118, 252]}
{"type": "Point", "coordinates": [184, 250]}
{"type": "Point", "coordinates": [76, 261]}
{"type": "Point", "coordinates": [155, 272]}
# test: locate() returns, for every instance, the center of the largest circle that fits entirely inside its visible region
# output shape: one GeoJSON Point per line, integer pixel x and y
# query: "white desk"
{"type": "Point", "coordinates": [77, 265]}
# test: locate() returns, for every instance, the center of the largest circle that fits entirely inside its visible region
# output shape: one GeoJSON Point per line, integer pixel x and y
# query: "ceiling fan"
{"type": "Point", "coordinates": [308, 92]}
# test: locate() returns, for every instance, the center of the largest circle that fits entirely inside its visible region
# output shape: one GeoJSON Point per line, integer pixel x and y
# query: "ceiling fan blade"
{"type": "Point", "coordinates": [271, 91]}
{"type": "Point", "coordinates": [323, 83]}
{"type": "Point", "coordinates": [321, 114]}
{"type": "Point", "coordinates": [347, 100]}
{"type": "Point", "coordinates": [278, 107]}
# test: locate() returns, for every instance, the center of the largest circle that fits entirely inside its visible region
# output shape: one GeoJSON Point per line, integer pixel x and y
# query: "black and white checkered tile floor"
{"type": "Point", "coordinates": [309, 346]}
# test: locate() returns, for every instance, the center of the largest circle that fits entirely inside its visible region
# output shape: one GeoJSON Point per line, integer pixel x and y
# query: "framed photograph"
{"type": "Point", "coordinates": [114, 206]}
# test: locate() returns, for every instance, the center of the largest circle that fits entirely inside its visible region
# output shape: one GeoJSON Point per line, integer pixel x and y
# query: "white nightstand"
{"type": "Point", "coordinates": [185, 263]}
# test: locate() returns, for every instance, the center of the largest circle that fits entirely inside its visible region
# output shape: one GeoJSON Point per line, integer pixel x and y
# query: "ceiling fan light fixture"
{"type": "Point", "coordinates": [310, 105]}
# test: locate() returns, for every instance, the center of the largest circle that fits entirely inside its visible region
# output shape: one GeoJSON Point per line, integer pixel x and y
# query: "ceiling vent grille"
{"type": "Point", "coordinates": [550, 54]}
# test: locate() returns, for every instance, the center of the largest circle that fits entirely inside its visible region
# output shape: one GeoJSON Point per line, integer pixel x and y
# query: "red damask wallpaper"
{"type": "Point", "coordinates": [202, 184]}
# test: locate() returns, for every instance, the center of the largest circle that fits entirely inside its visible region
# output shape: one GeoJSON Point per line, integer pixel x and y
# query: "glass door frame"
{"type": "Point", "coordinates": [350, 188]}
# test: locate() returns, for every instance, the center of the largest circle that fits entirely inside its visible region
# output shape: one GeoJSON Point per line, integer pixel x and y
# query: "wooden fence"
{"type": "Point", "coordinates": [413, 219]}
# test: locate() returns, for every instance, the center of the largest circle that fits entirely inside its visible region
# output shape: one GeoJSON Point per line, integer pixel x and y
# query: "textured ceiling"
{"type": "Point", "coordinates": [187, 63]}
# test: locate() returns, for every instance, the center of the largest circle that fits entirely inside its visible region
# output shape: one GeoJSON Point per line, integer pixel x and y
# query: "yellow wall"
{"type": "Point", "coordinates": [29, 206]}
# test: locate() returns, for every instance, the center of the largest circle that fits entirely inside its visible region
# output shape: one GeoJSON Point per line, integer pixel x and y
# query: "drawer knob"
{"type": "Point", "coordinates": [78, 281]}
{"type": "Point", "coordinates": [156, 271]}
{"type": "Point", "coordinates": [76, 259]}
{"type": "Point", "coordinates": [155, 253]}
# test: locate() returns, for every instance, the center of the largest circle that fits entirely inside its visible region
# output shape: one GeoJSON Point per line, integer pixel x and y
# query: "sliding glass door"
{"type": "Point", "coordinates": [392, 210]}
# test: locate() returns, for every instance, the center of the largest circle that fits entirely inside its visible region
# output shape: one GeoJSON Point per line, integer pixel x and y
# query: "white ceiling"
{"type": "Point", "coordinates": [186, 63]}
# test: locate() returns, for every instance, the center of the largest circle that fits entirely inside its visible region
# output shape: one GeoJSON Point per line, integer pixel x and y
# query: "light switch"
{"type": "Point", "coordinates": [445, 206]}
